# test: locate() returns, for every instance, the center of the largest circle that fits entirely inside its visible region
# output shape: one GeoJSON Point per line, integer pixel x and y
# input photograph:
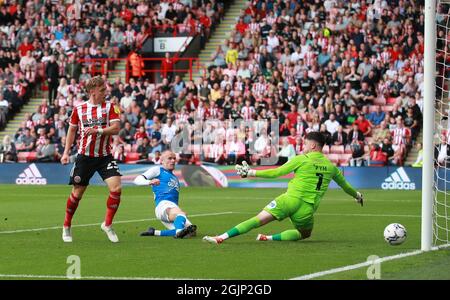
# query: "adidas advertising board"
{"type": "Point", "coordinates": [398, 180]}
{"type": "Point", "coordinates": [31, 175]}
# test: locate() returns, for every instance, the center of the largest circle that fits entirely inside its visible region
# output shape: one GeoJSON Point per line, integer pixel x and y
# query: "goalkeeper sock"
{"type": "Point", "coordinates": [179, 222]}
{"type": "Point", "coordinates": [288, 235]}
{"type": "Point", "coordinates": [242, 228]}
{"type": "Point", "coordinates": [71, 207]}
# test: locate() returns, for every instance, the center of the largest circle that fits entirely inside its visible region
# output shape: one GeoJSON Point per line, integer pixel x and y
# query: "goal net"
{"type": "Point", "coordinates": [441, 204]}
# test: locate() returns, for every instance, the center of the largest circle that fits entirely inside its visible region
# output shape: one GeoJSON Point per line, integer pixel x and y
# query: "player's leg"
{"type": "Point", "coordinates": [303, 221]}
{"type": "Point", "coordinates": [109, 171]}
{"type": "Point", "coordinates": [180, 221]}
{"type": "Point", "coordinates": [261, 219]}
{"type": "Point", "coordinates": [71, 207]}
{"type": "Point", "coordinates": [113, 201]}
{"type": "Point", "coordinates": [278, 209]}
{"type": "Point", "coordinates": [80, 175]}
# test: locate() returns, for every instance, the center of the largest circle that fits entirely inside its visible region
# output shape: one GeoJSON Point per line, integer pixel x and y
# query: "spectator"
{"type": "Point", "coordinates": [419, 161]}
{"type": "Point", "coordinates": [331, 124]}
{"type": "Point", "coordinates": [286, 153]}
{"type": "Point", "coordinates": [8, 151]}
{"type": "Point", "coordinates": [364, 125]}
{"type": "Point", "coordinates": [377, 158]}
{"type": "Point", "coordinates": [52, 73]}
{"type": "Point", "coordinates": [377, 116]}
{"type": "Point", "coordinates": [46, 153]}
{"type": "Point", "coordinates": [339, 137]}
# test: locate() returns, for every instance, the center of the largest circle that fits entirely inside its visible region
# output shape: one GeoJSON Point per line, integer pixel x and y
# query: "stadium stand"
{"type": "Point", "coordinates": [351, 69]}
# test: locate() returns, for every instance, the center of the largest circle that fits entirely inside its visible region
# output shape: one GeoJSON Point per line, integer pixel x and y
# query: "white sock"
{"type": "Point", "coordinates": [224, 236]}
{"type": "Point", "coordinates": [158, 232]}
{"type": "Point", "coordinates": [269, 237]}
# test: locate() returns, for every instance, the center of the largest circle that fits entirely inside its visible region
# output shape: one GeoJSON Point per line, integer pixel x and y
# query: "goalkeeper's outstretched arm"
{"type": "Point", "coordinates": [285, 169]}
{"type": "Point", "coordinates": [347, 187]}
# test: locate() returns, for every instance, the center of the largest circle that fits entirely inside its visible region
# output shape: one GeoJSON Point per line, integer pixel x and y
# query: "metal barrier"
{"type": "Point", "coordinates": [104, 66]}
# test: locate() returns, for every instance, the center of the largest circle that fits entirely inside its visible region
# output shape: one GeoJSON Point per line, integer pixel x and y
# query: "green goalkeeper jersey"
{"type": "Point", "coordinates": [313, 173]}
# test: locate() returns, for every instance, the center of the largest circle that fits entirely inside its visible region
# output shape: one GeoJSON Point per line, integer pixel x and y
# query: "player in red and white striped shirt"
{"type": "Point", "coordinates": [97, 120]}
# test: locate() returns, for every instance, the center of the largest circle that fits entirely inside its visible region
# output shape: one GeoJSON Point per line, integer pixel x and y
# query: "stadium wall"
{"type": "Point", "coordinates": [387, 178]}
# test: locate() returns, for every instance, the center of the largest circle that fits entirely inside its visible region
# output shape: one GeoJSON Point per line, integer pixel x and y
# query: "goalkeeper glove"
{"type": "Point", "coordinates": [359, 198]}
{"type": "Point", "coordinates": [244, 170]}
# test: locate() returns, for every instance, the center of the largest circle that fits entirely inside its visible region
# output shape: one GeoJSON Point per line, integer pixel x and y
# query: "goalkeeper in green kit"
{"type": "Point", "coordinates": [313, 173]}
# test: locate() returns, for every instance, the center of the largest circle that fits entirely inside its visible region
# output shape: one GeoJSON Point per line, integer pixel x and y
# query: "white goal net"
{"type": "Point", "coordinates": [441, 205]}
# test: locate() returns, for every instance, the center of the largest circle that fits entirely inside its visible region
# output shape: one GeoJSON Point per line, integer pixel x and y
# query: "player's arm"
{"type": "Point", "coordinates": [347, 187]}
{"type": "Point", "coordinates": [148, 177]}
{"type": "Point", "coordinates": [285, 169]}
{"type": "Point", "coordinates": [71, 134]}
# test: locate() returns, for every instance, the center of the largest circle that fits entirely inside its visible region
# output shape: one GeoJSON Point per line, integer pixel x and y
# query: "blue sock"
{"type": "Point", "coordinates": [179, 222]}
{"type": "Point", "coordinates": [170, 232]}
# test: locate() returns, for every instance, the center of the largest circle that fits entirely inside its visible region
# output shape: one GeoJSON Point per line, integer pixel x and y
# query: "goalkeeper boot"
{"type": "Point", "coordinates": [67, 234]}
{"type": "Point", "coordinates": [262, 237]}
{"type": "Point", "coordinates": [150, 232]}
{"type": "Point", "coordinates": [191, 229]}
{"type": "Point", "coordinates": [213, 239]}
{"type": "Point", "coordinates": [110, 233]}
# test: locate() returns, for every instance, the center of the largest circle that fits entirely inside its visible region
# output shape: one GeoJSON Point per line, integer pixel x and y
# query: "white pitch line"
{"type": "Point", "coordinates": [116, 222]}
{"type": "Point", "coordinates": [368, 215]}
{"type": "Point", "coordinates": [92, 277]}
{"type": "Point", "coordinates": [365, 264]}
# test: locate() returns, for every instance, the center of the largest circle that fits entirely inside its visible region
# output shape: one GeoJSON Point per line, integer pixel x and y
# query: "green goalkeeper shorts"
{"type": "Point", "coordinates": [300, 213]}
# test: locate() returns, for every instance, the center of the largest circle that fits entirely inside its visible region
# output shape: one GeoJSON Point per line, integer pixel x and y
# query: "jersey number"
{"type": "Point", "coordinates": [319, 183]}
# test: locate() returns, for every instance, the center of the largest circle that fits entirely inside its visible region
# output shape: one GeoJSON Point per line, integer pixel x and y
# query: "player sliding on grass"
{"type": "Point", "coordinates": [166, 188]}
{"type": "Point", "coordinates": [312, 175]}
{"type": "Point", "coordinates": [97, 120]}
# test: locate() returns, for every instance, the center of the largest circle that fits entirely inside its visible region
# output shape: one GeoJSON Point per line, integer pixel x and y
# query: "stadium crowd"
{"type": "Point", "coordinates": [350, 69]}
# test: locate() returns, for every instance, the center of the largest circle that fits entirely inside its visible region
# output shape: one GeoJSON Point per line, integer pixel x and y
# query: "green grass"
{"type": "Point", "coordinates": [344, 234]}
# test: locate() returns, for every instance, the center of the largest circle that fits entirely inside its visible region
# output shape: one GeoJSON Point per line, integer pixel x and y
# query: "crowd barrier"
{"type": "Point", "coordinates": [386, 178]}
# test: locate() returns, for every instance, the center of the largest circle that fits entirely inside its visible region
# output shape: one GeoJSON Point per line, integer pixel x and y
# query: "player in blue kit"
{"type": "Point", "coordinates": [166, 187]}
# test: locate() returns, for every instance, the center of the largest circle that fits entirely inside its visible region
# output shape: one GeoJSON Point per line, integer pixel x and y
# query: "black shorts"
{"type": "Point", "coordinates": [85, 167]}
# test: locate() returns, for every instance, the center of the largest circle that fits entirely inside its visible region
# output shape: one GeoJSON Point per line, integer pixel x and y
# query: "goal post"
{"type": "Point", "coordinates": [428, 125]}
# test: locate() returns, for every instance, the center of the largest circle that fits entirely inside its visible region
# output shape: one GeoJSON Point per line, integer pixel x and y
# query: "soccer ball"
{"type": "Point", "coordinates": [395, 234]}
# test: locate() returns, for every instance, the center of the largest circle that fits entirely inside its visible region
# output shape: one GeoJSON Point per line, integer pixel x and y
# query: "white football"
{"type": "Point", "coordinates": [395, 234]}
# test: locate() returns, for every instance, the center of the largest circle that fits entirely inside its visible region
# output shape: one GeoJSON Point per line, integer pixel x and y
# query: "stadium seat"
{"type": "Point", "coordinates": [32, 156]}
{"type": "Point", "coordinates": [390, 100]}
{"type": "Point", "coordinates": [379, 101]}
{"type": "Point", "coordinates": [334, 158]}
{"type": "Point", "coordinates": [326, 149]}
{"type": "Point", "coordinates": [131, 157]}
{"type": "Point", "coordinates": [337, 149]}
{"type": "Point", "coordinates": [348, 150]}
{"type": "Point", "coordinates": [344, 159]}
{"type": "Point", "coordinates": [22, 157]}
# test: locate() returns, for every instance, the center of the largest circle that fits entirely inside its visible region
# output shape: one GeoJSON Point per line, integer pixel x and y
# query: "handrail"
{"type": "Point", "coordinates": [100, 65]}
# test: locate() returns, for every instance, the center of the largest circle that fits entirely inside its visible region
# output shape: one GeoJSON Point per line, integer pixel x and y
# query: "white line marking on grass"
{"type": "Point", "coordinates": [365, 264]}
{"type": "Point", "coordinates": [350, 215]}
{"type": "Point", "coordinates": [92, 277]}
{"type": "Point", "coordinates": [367, 215]}
{"type": "Point", "coordinates": [116, 222]}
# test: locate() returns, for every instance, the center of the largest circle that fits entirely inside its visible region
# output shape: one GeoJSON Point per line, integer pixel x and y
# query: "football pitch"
{"type": "Point", "coordinates": [345, 234]}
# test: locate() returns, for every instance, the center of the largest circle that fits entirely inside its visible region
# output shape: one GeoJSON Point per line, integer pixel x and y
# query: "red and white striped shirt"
{"type": "Point", "coordinates": [400, 135]}
{"type": "Point", "coordinates": [94, 116]}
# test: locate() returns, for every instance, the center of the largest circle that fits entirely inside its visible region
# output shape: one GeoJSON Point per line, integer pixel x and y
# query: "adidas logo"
{"type": "Point", "coordinates": [31, 175]}
{"type": "Point", "coordinates": [398, 180]}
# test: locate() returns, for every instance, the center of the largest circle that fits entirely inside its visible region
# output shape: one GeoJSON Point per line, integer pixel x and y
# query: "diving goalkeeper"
{"type": "Point", "coordinates": [312, 175]}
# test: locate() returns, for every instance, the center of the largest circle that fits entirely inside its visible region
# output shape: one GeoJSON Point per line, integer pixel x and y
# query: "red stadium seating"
{"type": "Point", "coordinates": [337, 149]}
{"type": "Point", "coordinates": [326, 149]}
{"type": "Point", "coordinates": [131, 157]}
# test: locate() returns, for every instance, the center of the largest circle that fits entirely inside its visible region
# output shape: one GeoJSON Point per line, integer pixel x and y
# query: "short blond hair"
{"type": "Point", "coordinates": [96, 81]}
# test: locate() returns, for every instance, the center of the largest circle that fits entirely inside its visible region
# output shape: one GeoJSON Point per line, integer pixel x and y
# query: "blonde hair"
{"type": "Point", "coordinates": [96, 81]}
